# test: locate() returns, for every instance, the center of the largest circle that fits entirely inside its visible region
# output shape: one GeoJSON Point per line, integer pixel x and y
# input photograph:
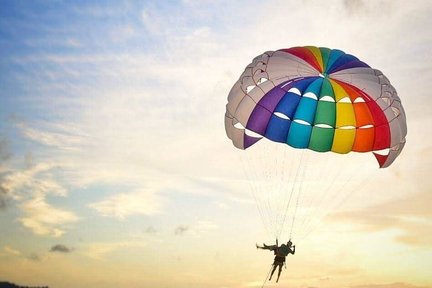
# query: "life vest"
{"type": "Point", "coordinates": [283, 250]}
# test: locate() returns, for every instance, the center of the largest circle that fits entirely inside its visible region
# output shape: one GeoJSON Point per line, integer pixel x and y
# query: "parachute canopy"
{"type": "Point", "coordinates": [319, 99]}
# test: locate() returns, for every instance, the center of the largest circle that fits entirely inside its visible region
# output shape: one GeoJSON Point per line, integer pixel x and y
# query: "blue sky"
{"type": "Point", "coordinates": [112, 143]}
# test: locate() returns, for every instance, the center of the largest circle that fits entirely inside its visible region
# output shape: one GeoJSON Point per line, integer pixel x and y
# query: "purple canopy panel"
{"type": "Point", "coordinates": [258, 120]}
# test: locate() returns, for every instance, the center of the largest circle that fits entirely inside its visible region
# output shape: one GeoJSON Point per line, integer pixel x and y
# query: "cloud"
{"type": "Point", "coordinates": [60, 248]}
{"type": "Point", "coordinates": [409, 215]}
{"type": "Point", "coordinates": [30, 188]}
{"type": "Point", "coordinates": [11, 251]}
{"type": "Point", "coordinates": [123, 205]}
{"type": "Point", "coordinates": [44, 219]}
{"type": "Point", "coordinates": [8, 250]}
{"type": "Point", "coordinates": [62, 136]}
{"type": "Point", "coordinates": [196, 229]}
{"type": "Point", "coordinates": [37, 179]}
{"type": "Point", "coordinates": [180, 230]}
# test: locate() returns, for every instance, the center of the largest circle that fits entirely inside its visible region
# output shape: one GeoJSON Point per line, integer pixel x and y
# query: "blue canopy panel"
{"type": "Point", "coordinates": [279, 100]}
{"type": "Point", "coordinates": [299, 135]}
{"type": "Point", "coordinates": [307, 107]}
{"type": "Point", "coordinates": [334, 56]}
{"type": "Point", "coordinates": [288, 104]}
{"type": "Point", "coordinates": [277, 129]}
{"type": "Point", "coordinates": [266, 118]}
{"type": "Point", "coordinates": [306, 110]}
{"type": "Point", "coordinates": [351, 64]}
{"type": "Point", "coordinates": [344, 59]}
{"type": "Point", "coordinates": [300, 131]}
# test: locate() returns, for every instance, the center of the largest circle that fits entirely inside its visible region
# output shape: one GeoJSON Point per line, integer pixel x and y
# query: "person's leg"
{"type": "Point", "coordinates": [267, 247]}
{"type": "Point", "coordinates": [279, 272]}
{"type": "Point", "coordinates": [274, 268]}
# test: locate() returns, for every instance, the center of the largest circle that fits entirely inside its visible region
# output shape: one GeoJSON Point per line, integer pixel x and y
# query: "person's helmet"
{"type": "Point", "coordinates": [289, 243]}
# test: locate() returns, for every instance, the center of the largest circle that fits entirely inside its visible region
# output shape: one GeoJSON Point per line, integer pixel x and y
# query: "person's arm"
{"type": "Point", "coordinates": [293, 250]}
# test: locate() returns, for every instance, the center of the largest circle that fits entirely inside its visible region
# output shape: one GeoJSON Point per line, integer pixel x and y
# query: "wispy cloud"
{"type": "Point", "coordinates": [11, 251]}
{"type": "Point", "coordinates": [44, 219]}
{"type": "Point", "coordinates": [196, 229]}
{"type": "Point", "coordinates": [123, 205]}
{"type": "Point", "coordinates": [57, 135]}
{"type": "Point", "coordinates": [30, 188]}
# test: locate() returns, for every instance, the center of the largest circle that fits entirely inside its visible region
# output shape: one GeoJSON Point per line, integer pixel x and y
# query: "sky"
{"type": "Point", "coordinates": [115, 170]}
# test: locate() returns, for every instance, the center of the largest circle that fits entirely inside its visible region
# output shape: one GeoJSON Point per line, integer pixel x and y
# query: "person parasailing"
{"type": "Point", "coordinates": [280, 253]}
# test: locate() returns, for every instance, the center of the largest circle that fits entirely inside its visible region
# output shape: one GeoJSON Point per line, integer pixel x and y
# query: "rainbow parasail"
{"type": "Point", "coordinates": [319, 99]}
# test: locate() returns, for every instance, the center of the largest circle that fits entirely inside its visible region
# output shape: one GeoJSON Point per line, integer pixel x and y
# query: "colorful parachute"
{"type": "Point", "coordinates": [313, 99]}
{"type": "Point", "coordinates": [319, 99]}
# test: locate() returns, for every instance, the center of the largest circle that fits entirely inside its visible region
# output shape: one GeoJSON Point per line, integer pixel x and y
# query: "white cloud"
{"type": "Point", "coordinates": [44, 219]}
{"type": "Point", "coordinates": [199, 228]}
{"type": "Point", "coordinates": [59, 135]}
{"type": "Point", "coordinates": [30, 188]}
{"type": "Point", "coordinates": [123, 205]}
{"type": "Point", "coordinates": [37, 179]}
